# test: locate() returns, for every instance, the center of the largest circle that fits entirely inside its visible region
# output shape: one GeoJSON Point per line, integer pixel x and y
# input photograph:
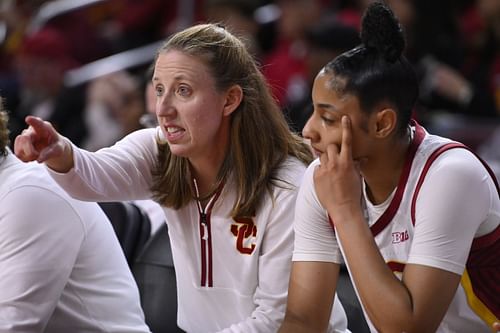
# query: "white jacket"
{"type": "Point", "coordinates": [232, 276]}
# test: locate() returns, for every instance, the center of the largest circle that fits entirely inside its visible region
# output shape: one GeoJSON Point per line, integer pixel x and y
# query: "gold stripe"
{"type": "Point", "coordinates": [475, 303]}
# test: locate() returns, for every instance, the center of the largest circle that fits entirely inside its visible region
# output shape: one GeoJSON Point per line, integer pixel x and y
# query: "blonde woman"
{"type": "Point", "coordinates": [225, 168]}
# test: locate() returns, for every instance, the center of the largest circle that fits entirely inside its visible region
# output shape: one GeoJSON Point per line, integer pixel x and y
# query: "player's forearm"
{"type": "Point", "coordinates": [259, 322]}
{"type": "Point", "coordinates": [294, 325]}
{"type": "Point", "coordinates": [384, 297]}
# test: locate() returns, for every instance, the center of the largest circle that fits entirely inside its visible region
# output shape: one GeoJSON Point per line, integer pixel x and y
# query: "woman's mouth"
{"type": "Point", "coordinates": [173, 133]}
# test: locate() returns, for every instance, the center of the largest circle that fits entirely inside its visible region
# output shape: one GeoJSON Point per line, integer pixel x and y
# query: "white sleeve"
{"type": "Point", "coordinates": [40, 238]}
{"type": "Point", "coordinates": [314, 235]}
{"type": "Point", "coordinates": [455, 198]}
{"type": "Point", "coordinates": [118, 173]}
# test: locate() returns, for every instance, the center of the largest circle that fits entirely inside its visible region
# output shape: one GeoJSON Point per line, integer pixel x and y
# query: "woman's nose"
{"type": "Point", "coordinates": [308, 131]}
{"type": "Point", "coordinates": [164, 106]}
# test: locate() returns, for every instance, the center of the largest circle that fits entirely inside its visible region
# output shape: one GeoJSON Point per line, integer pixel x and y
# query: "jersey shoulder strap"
{"type": "Point", "coordinates": [435, 154]}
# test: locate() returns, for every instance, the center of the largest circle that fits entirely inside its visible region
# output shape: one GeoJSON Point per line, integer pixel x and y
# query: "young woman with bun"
{"type": "Point", "coordinates": [414, 216]}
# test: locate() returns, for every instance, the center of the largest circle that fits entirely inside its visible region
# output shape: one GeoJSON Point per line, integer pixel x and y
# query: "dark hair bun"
{"type": "Point", "coordinates": [381, 30]}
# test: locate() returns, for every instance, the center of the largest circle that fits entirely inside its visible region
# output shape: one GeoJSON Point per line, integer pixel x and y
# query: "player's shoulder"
{"type": "Point", "coordinates": [459, 161]}
{"type": "Point", "coordinates": [308, 174]}
{"type": "Point", "coordinates": [142, 137]}
{"type": "Point", "coordinates": [30, 185]}
{"type": "Point", "coordinates": [19, 176]}
{"type": "Point", "coordinates": [291, 169]}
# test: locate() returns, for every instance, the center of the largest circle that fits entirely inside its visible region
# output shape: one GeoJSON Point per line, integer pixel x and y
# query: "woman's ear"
{"type": "Point", "coordinates": [385, 122]}
{"type": "Point", "coordinates": [234, 95]}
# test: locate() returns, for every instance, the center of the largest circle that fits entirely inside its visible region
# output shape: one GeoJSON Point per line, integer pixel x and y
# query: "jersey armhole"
{"type": "Point", "coordinates": [435, 154]}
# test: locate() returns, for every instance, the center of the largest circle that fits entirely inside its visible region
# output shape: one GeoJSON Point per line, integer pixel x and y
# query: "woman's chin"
{"type": "Point", "coordinates": [178, 151]}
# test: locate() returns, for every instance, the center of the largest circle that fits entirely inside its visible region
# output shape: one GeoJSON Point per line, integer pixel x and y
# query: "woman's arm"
{"type": "Point", "coordinates": [315, 268]}
{"type": "Point", "coordinates": [121, 172]}
{"type": "Point", "coordinates": [311, 294]}
{"type": "Point", "coordinates": [117, 173]}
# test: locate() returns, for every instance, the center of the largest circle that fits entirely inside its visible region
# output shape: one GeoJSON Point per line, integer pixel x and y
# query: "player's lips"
{"type": "Point", "coordinates": [317, 152]}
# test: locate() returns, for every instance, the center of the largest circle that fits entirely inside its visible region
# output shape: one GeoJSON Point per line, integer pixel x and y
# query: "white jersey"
{"type": "Point", "coordinates": [444, 213]}
{"type": "Point", "coordinates": [61, 266]}
{"type": "Point", "coordinates": [232, 274]}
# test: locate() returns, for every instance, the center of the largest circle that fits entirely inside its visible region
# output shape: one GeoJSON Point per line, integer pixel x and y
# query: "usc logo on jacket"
{"type": "Point", "coordinates": [245, 232]}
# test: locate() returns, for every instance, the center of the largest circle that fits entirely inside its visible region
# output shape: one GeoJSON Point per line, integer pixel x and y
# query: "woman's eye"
{"type": "Point", "coordinates": [184, 91]}
{"type": "Point", "coordinates": [158, 91]}
{"type": "Point", "coordinates": [327, 120]}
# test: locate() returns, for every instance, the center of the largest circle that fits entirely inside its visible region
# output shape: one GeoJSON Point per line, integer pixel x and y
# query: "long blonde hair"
{"type": "Point", "coordinates": [260, 139]}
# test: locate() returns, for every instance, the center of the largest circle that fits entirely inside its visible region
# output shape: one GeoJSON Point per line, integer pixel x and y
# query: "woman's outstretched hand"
{"type": "Point", "coordinates": [37, 142]}
{"type": "Point", "coordinates": [41, 142]}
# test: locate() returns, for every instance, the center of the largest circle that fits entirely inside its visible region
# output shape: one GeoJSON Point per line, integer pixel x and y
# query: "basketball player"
{"type": "Point", "coordinates": [414, 216]}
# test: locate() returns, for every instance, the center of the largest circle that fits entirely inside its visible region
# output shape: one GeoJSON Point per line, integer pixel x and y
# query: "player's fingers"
{"type": "Point", "coordinates": [40, 127]}
{"type": "Point", "coordinates": [24, 148]}
{"type": "Point", "coordinates": [332, 151]}
{"type": "Point", "coordinates": [323, 159]}
{"type": "Point", "coordinates": [346, 147]}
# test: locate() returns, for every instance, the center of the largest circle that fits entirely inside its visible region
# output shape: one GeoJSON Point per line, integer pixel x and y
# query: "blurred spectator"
{"type": "Point", "coordinates": [437, 32]}
{"type": "Point", "coordinates": [114, 105]}
{"type": "Point", "coordinates": [137, 22]}
{"type": "Point", "coordinates": [83, 40]}
{"type": "Point", "coordinates": [15, 16]}
{"type": "Point", "coordinates": [456, 78]}
{"type": "Point", "coordinates": [326, 39]}
{"type": "Point", "coordinates": [148, 119]}
{"type": "Point", "coordinates": [133, 23]}
{"type": "Point", "coordinates": [42, 62]}
{"type": "Point", "coordinates": [349, 12]}
{"type": "Point", "coordinates": [480, 26]}
{"type": "Point", "coordinates": [284, 66]}
{"type": "Point", "coordinates": [238, 17]}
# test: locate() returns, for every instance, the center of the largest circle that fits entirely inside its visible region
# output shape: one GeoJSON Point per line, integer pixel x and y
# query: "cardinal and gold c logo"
{"type": "Point", "coordinates": [245, 232]}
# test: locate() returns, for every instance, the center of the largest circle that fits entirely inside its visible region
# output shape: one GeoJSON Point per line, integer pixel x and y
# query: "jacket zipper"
{"type": "Point", "coordinates": [206, 251]}
{"type": "Point", "coordinates": [206, 279]}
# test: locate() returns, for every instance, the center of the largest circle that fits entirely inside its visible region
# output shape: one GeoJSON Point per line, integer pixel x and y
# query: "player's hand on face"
{"type": "Point", "coordinates": [40, 141]}
{"type": "Point", "coordinates": [337, 180]}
